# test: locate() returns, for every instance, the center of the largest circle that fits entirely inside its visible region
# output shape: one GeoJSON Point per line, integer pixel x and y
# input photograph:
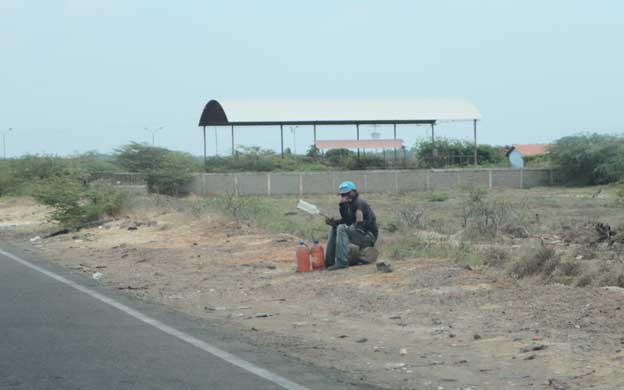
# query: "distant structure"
{"type": "Point", "coordinates": [316, 113]}
{"type": "Point", "coordinates": [517, 153]}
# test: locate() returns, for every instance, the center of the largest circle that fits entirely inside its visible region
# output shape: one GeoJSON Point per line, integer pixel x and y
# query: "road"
{"type": "Point", "coordinates": [60, 330]}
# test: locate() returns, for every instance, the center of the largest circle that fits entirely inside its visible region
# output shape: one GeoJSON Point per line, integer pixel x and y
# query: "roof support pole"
{"type": "Point", "coordinates": [205, 159]}
{"type": "Point", "coordinates": [315, 135]}
{"type": "Point", "coordinates": [476, 147]}
{"type": "Point", "coordinates": [233, 151]}
{"type": "Point", "coordinates": [433, 147]}
{"type": "Point", "coordinates": [282, 138]}
{"type": "Point", "coordinates": [357, 129]}
{"type": "Point", "coordinates": [216, 142]}
{"type": "Point", "coordinates": [395, 150]}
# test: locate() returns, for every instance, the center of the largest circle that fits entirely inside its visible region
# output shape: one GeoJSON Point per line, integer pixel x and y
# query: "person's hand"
{"type": "Point", "coordinates": [331, 222]}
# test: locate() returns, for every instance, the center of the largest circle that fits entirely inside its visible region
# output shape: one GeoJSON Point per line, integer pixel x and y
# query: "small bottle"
{"type": "Point", "coordinates": [303, 257]}
{"type": "Point", "coordinates": [317, 256]}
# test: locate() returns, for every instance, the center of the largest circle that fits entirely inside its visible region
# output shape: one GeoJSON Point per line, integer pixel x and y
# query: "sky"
{"type": "Point", "coordinates": [81, 75]}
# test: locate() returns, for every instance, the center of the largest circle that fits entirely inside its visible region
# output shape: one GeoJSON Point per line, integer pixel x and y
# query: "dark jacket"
{"type": "Point", "coordinates": [347, 214]}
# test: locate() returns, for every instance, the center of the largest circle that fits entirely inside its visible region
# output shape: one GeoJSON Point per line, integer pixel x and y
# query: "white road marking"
{"type": "Point", "coordinates": [204, 346]}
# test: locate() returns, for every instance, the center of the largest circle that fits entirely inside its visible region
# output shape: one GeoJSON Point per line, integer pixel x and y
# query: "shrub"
{"type": "Point", "coordinates": [445, 152]}
{"type": "Point", "coordinates": [270, 214]}
{"type": "Point", "coordinates": [495, 256]}
{"type": "Point", "coordinates": [74, 203]}
{"type": "Point", "coordinates": [409, 217]}
{"type": "Point", "coordinates": [20, 176]}
{"type": "Point", "coordinates": [173, 175]}
{"type": "Point", "coordinates": [337, 157]}
{"type": "Point", "coordinates": [136, 157]}
{"type": "Point", "coordinates": [482, 217]}
{"type": "Point", "coordinates": [536, 260]}
{"type": "Point", "coordinates": [365, 162]}
{"type": "Point", "coordinates": [436, 196]}
{"type": "Point", "coordinates": [619, 193]}
{"type": "Point", "coordinates": [589, 158]}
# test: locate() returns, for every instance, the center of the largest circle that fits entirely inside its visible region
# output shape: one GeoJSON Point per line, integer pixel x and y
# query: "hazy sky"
{"type": "Point", "coordinates": [79, 75]}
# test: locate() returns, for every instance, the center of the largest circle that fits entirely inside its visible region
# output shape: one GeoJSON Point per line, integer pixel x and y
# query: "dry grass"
{"type": "Point", "coordinates": [547, 234]}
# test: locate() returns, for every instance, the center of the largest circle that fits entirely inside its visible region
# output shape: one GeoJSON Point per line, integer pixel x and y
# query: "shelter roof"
{"type": "Point", "coordinates": [309, 112]}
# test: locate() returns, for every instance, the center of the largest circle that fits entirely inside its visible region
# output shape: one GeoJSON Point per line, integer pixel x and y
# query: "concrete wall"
{"type": "Point", "coordinates": [392, 181]}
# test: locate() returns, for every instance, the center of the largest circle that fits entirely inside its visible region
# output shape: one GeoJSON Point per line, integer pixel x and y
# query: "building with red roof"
{"type": "Point", "coordinates": [517, 153]}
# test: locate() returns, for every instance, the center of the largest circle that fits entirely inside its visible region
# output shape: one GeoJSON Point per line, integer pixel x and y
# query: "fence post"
{"type": "Point", "coordinates": [396, 182]}
{"type": "Point", "coordinates": [300, 184]}
{"type": "Point", "coordinates": [235, 185]}
{"type": "Point", "coordinates": [365, 183]}
{"type": "Point", "coordinates": [428, 182]}
{"type": "Point", "coordinates": [551, 179]}
{"type": "Point", "coordinates": [521, 177]}
{"type": "Point", "coordinates": [458, 183]}
{"type": "Point", "coordinates": [269, 184]}
{"type": "Point", "coordinates": [490, 178]}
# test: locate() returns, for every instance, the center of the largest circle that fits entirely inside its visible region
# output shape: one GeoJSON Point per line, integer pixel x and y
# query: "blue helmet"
{"type": "Point", "coordinates": [347, 186]}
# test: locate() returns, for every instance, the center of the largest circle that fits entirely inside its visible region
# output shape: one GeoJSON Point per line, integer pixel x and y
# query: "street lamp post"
{"type": "Point", "coordinates": [293, 130]}
{"type": "Point", "coordinates": [4, 134]}
{"type": "Point", "coordinates": [154, 131]}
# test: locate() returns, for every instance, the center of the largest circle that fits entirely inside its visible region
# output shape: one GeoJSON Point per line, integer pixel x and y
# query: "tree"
{"type": "Point", "coordinates": [136, 157]}
{"type": "Point", "coordinates": [338, 156]}
{"type": "Point", "coordinates": [314, 153]}
{"type": "Point", "coordinates": [456, 152]}
{"type": "Point", "coordinates": [589, 158]}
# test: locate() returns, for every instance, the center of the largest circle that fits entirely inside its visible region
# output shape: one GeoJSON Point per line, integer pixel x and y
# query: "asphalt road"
{"type": "Point", "coordinates": [53, 336]}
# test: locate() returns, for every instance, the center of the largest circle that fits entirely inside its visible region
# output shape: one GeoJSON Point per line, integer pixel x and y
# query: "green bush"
{"type": "Point", "coordinates": [436, 196]}
{"type": "Point", "coordinates": [445, 152]}
{"type": "Point", "coordinates": [337, 157]}
{"type": "Point", "coordinates": [136, 157]}
{"type": "Point", "coordinates": [589, 158]}
{"type": "Point", "coordinates": [364, 162]}
{"type": "Point", "coordinates": [74, 203]}
{"type": "Point", "coordinates": [173, 175]}
{"type": "Point", "coordinates": [20, 176]}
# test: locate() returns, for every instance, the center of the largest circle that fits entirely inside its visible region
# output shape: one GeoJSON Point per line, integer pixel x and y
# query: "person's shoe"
{"type": "Point", "coordinates": [369, 255]}
{"type": "Point", "coordinates": [336, 267]}
{"type": "Point", "coordinates": [353, 252]}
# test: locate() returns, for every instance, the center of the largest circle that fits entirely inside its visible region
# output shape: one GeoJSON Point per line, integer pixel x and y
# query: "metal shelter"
{"type": "Point", "coordinates": [234, 113]}
{"type": "Point", "coordinates": [357, 144]}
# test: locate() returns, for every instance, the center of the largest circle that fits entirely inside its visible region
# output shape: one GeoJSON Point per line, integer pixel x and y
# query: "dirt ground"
{"type": "Point", "coordinates": [432, 323]}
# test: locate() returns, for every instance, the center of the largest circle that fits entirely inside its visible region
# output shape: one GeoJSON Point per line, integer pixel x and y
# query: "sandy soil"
{"type": "Point", "coordinates": [428, 325]}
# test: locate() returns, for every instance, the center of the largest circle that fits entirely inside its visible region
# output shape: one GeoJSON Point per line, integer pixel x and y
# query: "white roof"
{"type": "Point", "coordinates": [353, 111]}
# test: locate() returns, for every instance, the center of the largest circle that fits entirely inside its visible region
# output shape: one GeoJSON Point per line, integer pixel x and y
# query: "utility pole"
{"type": "Point", "coordinates": [4, 134]}
{"type": "Point", "coordinates": [154, 131]}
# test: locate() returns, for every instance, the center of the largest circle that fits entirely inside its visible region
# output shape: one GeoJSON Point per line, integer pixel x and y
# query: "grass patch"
{"type": "Point", "coordinates": [416, 246]}
{"type": "Point", "coordinates": [273, 214]}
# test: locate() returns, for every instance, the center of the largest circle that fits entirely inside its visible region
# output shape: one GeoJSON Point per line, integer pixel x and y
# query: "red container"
{"type": "Point", "coordinates": [303, 258]}
{"type": "Point", "coordinates": [317, 256]}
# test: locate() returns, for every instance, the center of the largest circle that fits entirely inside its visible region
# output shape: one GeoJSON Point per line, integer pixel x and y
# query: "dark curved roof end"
{"type": "Point", "coordinates": [213, 115]}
